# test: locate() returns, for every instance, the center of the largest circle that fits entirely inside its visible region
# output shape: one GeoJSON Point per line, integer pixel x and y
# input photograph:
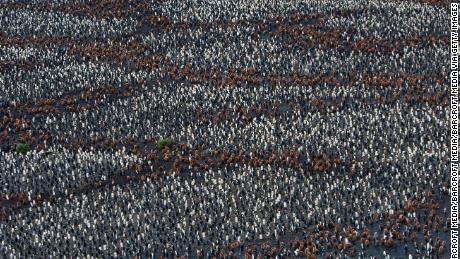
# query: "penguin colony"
{"type": "Point", "coordinates": [300, 128]}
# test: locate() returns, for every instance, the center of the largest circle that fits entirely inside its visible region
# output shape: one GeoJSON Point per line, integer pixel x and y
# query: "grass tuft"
{"type": "Point", "coordinates": [22, 148]}
{"type": "Point", "coordinates": [162, 143]}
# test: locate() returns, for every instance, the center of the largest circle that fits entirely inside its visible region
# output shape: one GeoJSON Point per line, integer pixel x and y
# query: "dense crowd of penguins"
{"type": "Point", "coordinates": [301, 128]}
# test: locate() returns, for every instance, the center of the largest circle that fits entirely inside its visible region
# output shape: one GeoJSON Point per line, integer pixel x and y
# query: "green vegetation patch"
{"type": "Point", "coordinates": [22, 148]}
{"type": "Point", "coordinates": [162, 143]}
